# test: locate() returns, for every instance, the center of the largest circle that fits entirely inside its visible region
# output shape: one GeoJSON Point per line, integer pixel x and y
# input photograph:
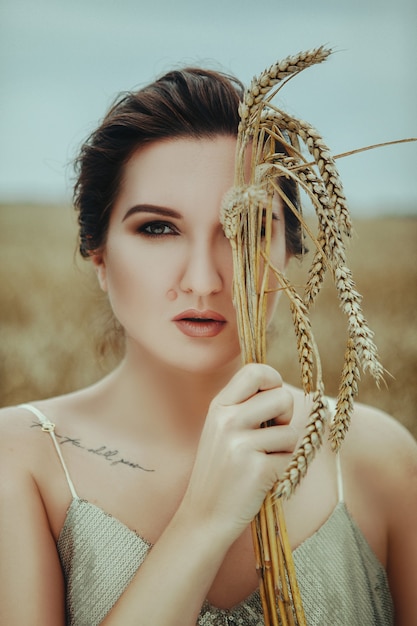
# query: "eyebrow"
{"type": "Point", "coordinates": [151, 208]}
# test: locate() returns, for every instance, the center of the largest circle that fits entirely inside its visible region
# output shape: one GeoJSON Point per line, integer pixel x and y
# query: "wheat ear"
{"type": "Point", "coordinates": [271, 77]}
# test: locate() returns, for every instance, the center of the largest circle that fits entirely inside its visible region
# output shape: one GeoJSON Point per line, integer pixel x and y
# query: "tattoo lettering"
{"type": "Point", "coordinates": [114, 457]}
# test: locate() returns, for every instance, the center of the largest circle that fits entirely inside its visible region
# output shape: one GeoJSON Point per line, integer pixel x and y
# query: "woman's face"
{"type": "Point", "coordinates": [166, 264]}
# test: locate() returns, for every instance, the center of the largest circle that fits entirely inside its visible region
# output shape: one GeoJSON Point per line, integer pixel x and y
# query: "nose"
{"type": "Point", "coordinates": [201, 273]}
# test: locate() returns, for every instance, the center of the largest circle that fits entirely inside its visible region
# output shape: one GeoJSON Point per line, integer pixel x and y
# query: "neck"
{"type": "Point", "coordinates": [161, 398]}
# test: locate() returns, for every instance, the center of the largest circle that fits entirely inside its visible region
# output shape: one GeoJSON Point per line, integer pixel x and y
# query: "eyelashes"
{"type": "Point", "coordinates": [157, 228]}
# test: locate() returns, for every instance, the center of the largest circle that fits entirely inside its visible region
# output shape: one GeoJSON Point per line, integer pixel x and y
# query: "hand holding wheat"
{"type": "Point", "coordinates": [234, 468]}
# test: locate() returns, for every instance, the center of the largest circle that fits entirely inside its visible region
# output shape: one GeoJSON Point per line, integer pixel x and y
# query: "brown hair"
{"type": "Point", "coordinates": [190, 102]}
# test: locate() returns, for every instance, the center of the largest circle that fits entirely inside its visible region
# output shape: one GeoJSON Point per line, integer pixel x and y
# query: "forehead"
{"type": "Point", "coordinates": [179, 167]}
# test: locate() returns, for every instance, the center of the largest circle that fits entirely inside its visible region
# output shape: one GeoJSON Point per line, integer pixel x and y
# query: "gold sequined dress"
{"type": "Point", "coordinates": [342, 583]}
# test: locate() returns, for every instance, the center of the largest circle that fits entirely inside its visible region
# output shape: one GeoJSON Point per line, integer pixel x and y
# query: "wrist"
{"type": "Point", "coordinates": [208, 532]}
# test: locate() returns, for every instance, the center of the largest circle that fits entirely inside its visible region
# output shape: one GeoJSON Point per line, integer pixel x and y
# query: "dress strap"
{"type": "Point", "coordinates": [339, 475]}
{"type": "Point", "coordinates": [340, 492]}
{"type": "Point", "coordinates": [49, 427]}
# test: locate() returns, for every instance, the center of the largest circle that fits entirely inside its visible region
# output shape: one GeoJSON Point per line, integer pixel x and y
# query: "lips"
{"type": "Point", "coordinates": [193, 323]}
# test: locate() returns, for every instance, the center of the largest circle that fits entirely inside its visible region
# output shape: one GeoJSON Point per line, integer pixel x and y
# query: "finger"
{"type": "Point", "coordinates": [248, 381]}
{"type": "Point", "coordinates": [269, 440]}
{"type": "Point", "coordinates": [275, 405]}
{"type": "Point", "coordinates": [275, 439]}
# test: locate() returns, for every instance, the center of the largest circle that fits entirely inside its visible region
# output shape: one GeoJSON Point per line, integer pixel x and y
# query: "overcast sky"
{"type": "Point", "coordinates": [62, 62]}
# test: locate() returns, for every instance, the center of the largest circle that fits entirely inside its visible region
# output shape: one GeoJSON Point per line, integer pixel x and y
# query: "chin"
{"type": "Point", "coordinates": [207, 367]}
{"type": "Point", "coordinates": [202, 360]}
{"type": "Point", "coordinates": [210, 363]}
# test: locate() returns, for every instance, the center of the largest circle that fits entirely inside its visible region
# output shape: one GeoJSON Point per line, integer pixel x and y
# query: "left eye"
{"type": "Point", "coordinates": [155, 229]}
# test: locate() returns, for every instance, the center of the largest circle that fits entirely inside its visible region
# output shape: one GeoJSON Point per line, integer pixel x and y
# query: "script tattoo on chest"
{"type": "Point", "coordinates": [111, 455]}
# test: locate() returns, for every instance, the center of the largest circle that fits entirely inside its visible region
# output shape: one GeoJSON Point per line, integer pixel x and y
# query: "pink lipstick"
{"type": "Point", "coordinates": [193, 323]}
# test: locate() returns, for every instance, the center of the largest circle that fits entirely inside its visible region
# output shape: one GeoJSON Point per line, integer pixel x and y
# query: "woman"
{"type": "Point", "coordinates": [166, 451]}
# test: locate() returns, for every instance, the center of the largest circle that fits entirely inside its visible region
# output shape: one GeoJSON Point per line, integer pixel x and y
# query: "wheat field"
{"type": "Point", "coordinates": [53, 317]}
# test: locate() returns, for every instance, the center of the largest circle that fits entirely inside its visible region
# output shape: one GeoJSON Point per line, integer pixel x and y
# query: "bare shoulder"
{"type": "Point", "coordinates": [375, 432]}
{"type": "Point", "coordinates": [21, 435]}
{"type": "Point", "coordinates": [26, 542]}
{"type": "Point", "coordinates": [21, 441]}
{"type": "Point", "coordinates": [382, 450]}
{"type": "Point", "coordinates": [16, 424]}
{"type": "Point", "coordinates": [383, 460]}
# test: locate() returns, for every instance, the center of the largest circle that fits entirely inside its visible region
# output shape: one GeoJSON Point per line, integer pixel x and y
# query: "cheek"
{"type": "Point", "coordinates": [127, 275]}
{"type": "Point", "coordinates": [141, 282]}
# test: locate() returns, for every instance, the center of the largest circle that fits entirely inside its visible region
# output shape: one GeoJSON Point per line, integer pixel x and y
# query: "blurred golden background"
{"type": "Point", "coordinates": [53, 316]}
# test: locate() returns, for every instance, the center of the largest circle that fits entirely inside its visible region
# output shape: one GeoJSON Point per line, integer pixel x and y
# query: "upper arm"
{"type": "Point", "coordinates": [31, 582]}
{"type": "Point", "coordinates": [402, 535]}
{"type": "Point", "coordinates": [383, 455]}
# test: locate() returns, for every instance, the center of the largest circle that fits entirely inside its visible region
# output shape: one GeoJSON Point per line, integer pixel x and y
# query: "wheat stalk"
{"type": "Point", "coordinates": [303, 157]}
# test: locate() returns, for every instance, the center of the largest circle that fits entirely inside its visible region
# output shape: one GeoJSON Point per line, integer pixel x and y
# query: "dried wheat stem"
{"type": "Point", "coordinates": [332, 247]}
{"type": "Point", "coordinates": [359, 330]}
{"type": "Point", "coordinates": [305, 453]}
{"type": "Point", "coordinates": [317, 193]}
{"type": "Point", "coordinates": [331, 251]}
{"type": "Point", "coordinates": [282, 591]}
{"type": "Point", "coordinates": [258, 549]}
{"type": "Point", "coordinates": [295, 168]}
{"type": "Point", "coordinates": [287, 168]}
{"type": "Point", "coordinates": [267, 569]}
{"type": "Point", "coordinates": [361, 346]}
{"type": "Point", "coordinates": [261, 85]}
{"type": "Point", "coordinates": [287, 552]}
{"type": "Point", "coordinates": [308, 354]}
{"type": "Point", "coordinates": [315, 278]}
{"type": "Point", "coordinates": [325, 164]}
{"type": "Point", "coordinates": [307, 348]}
{"type": "Point", "coordinates": [348, 389]}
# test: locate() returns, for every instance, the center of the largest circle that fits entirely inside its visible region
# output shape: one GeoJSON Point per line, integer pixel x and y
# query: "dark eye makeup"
{"type": "Point", "coordinates": [157, 228]}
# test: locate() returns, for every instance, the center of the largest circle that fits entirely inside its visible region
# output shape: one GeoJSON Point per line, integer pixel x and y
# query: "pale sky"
{"type": "Point", "coordinates": [62, 63]}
